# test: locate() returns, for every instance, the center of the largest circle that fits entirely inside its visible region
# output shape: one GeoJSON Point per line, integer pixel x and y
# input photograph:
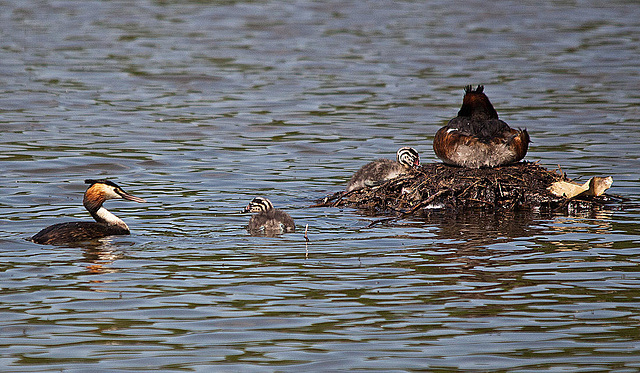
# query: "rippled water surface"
{"type": "Point", "coordinates": [198, 106]}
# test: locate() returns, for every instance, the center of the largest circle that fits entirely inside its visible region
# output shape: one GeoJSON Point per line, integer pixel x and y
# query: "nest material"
{"type": "Point", "coordinates": [438, 186]}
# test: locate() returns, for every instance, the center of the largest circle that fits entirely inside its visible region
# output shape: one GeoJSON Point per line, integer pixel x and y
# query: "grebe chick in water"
{"type": "Point", "coordinates": [268, 221]}
{"type": "Point", "coordinates": [106, 223]}
{"type": "Point", "coordinates": [477, 138]}
{"type": "Point", "coordinates": [380, 170]}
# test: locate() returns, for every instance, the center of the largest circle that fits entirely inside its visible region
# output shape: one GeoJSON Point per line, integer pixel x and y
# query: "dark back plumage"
{"type": "Point", "coordinates": [76, 231]}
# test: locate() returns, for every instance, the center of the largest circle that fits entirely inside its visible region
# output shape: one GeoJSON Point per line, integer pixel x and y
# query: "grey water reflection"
{"type": "Point", "coordinates": [199, 106]}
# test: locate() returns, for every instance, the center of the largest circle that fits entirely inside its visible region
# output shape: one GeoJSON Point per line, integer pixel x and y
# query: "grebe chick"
{"type": "Point", "coordinates": [106, 223]}
{"type": "Point", "coordinates": [268, 221]}
{"type": "Point", "coordinates": [380, 170]}
{"type": "Point", "coordinates": [477, 138]}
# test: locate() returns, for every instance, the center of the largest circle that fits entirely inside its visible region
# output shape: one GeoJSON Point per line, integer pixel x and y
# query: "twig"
{"type": "Point", "coordinates": [426, 201]}
{"type": "Point", "coordinates": [480, 201]}
{"type": "Point", "coordinates": [306, 228]}
{"type": "Point", "coordinates": [380, 221]}
{"type": "Point", "coordinates": [499, 186]}
{"type": "Point", "coordinates": [469, 187]}
{"type": "Point", "coordinates": [325, 201]}
{"type": "Point", "coordinates": [306, 244]}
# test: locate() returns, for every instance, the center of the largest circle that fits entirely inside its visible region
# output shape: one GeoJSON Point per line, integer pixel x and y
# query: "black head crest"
{"type": "Point", "coordinates": [469, 89]}
{"type": "Point", "coordinates": [101, 181]}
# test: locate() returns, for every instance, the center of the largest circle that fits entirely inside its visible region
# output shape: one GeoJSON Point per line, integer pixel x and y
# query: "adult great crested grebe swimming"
{"type": "Point", "coordinates": [106, 223]}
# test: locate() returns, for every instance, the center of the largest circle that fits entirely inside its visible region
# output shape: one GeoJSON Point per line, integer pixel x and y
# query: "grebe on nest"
{"type": "Point", "coordinates": [268, 221]}
{"type": "Point", "coordinates": [477, 138]}
{"type": "Point", "coordinates": [106, 223]}
{"type": "Point", "coordinates": [384, 169]}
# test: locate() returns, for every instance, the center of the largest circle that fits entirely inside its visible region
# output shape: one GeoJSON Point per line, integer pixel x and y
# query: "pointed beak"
{"type": "Point", "coordinates": [129, 197]}
{"type": "Point", "coordinates": [246, 209]}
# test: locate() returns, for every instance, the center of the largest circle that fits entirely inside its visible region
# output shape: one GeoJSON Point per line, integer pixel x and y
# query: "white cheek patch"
{"type": "Point", "coordinates": [451, 130]}
{"type": "Point", "coordinates": [111, 194]}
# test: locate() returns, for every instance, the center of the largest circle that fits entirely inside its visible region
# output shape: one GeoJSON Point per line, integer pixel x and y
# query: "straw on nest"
{"type": "Point", "coordinates": [436, 185]}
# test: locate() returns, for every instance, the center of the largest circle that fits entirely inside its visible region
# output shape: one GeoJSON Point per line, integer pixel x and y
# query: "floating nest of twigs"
{"type": "Point", "coordinates": [432, 186]}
